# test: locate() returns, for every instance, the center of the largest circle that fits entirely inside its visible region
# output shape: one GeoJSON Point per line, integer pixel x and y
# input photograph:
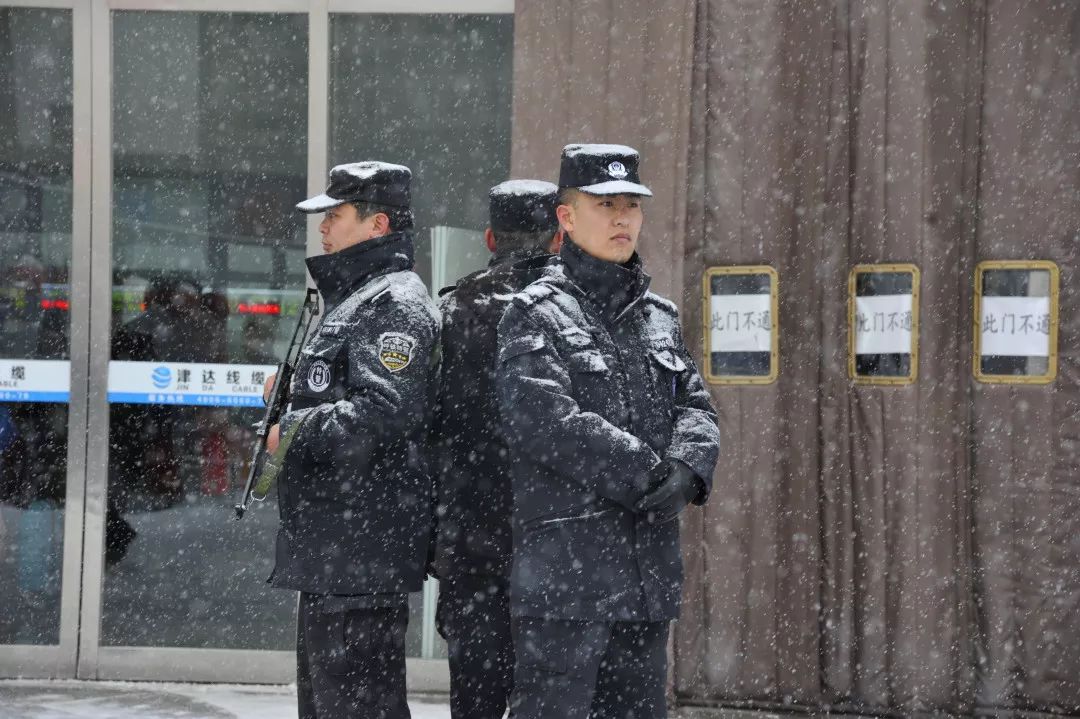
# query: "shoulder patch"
{"type": "Point", "coordinates": [447, 290]}
{"type": "Point", "coordinates": [396, 350]}
{"type": "Point", "coordinates": [662, 303]}
{"type": "Point", "coordinates": [318, 378]}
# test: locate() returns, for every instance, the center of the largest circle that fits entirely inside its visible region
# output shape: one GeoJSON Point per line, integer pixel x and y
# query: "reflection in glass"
{"type": "Point", "coordinates": [209, 137]}
{"type": "Point", "coordinates": [431, 92]}
{"type": "Point", "coordinates": [35, 258]}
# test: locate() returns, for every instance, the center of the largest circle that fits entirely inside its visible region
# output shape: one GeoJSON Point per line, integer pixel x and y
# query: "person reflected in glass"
{"type": "Point", "coordinates": [177, 323]}
{"type": "Point", "coordinates": [33, 456]}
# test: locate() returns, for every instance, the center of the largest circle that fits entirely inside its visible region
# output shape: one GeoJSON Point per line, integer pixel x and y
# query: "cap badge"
{"type": "Point", "coordinates": [617, 170]}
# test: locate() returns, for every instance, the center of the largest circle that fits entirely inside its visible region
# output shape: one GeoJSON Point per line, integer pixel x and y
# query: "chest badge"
{"type": "Point", "coordinates": [318, 376]}
{"type": "Point", "coordinates": [396, 350]}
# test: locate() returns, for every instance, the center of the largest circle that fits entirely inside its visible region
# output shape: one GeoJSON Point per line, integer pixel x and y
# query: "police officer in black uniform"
{"type": "Point", "coordinates": [355, 494]}
{"type": "Point", "coordinates": [611, 436]}
{"type": "Point", "coordinates": [473, 541]}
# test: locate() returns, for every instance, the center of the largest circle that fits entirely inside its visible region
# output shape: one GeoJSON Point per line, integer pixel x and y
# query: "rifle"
{"type": "Point", "coordinates": [279, 395]}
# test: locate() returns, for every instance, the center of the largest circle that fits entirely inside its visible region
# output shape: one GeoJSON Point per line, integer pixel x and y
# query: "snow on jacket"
{"type": "Point", "coordinates": [596, 389]}
{"type": "Point", "coordinates": [473, 478]}
{"type": "Point", "coordinates": [355, 497]}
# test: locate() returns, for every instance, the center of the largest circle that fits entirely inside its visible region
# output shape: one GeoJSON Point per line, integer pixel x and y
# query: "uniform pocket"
{"type": "Point", "coordinates": [572, 518]}
{"type": "Point", "coordinates": [374, 638]}
{"type": "Point", "coordinates": [324, 635]}
{"type": "Point", "coordinates": [561, 519]}
{"type": "Point", "coordinates": [668, 366]}
{"type": "Point", "coordinates": [587, 362]}
{"type": "Point", "coordinates": [666, 358]}
{"type": "Point", "coordinates": [540, 649]}
{"type": "Point", "coordinates": [521, 345]}
{"type": "Point", "coordinates": [576, 338]}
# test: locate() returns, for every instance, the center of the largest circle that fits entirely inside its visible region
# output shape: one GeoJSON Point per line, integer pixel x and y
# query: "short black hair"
{"type": "Point", "coordinates": [507, 241]}
{"type": "Point", "coordinates": [567, 195]}
{"type": "Point", "coordinates": [401, 218]}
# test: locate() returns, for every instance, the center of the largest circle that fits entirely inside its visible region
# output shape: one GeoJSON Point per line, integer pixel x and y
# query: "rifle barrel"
{"type": "Point", "coordinates": [275, 403]}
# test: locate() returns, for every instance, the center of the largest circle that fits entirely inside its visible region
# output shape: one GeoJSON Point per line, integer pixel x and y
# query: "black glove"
{"type": "Point", "coordinates": [681, 487]}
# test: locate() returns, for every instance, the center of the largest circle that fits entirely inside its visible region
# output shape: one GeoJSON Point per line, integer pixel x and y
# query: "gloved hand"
{"type": "Point", "coordinates": [679, 488]}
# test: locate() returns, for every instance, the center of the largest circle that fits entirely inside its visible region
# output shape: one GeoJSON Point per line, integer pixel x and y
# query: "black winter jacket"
{"type": "Point", "coordinates": [596, 389]}
{"type": "Point", "coordinates": [473, 480]}
{"type": "Point", "coordinates": [355, 496]}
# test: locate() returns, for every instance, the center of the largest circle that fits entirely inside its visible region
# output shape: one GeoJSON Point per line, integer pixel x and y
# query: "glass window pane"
{"type": "Point", "coordinates": [741, 325]}
{"type": "Point", "coordinates": [35, 259]}
{"type": "Point", "coordinates": [210, 144]}
{"type": "Point", "coordinates": [883, 318]}
{"type": "Point", "coordinates": [1017, 307]}
{"type": "Point", "coordinates": [432, 92]}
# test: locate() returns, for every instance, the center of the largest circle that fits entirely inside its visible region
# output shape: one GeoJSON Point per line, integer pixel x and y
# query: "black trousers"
{"type": "Point", "coordinates": [473, 617]}
{"type": "Point", "coordinates": [350, 662]}
{"type": "Point", "coordinates": [589, 670]}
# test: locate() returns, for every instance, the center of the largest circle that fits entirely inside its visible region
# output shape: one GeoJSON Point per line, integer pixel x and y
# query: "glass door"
{"type": "Point", "coordinates": [40, 510]}
{"type": "Point", "coordinates": [208, 158]}
{"type": "Point", "coordinates": [130, 364]}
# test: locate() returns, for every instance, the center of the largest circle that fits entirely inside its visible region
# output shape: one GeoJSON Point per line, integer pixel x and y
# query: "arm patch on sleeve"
{"type": "Point", "coordinates": [396, 350]}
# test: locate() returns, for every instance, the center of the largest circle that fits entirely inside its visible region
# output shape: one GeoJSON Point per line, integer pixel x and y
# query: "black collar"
{"type": "Point", "coordinates": [513, 257]}
{"type": "Point", "coordinates": [612, 287]}
{"type": "Point", "coordinates": [339, 275]}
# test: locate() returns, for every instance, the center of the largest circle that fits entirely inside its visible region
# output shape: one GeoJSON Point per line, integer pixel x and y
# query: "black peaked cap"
{"type": "Point", "coordinates": [523, 206]}
{"type": "Point", "coordinates": [379, 183]}
{"type": "Point", "coordinates": [601, 170]}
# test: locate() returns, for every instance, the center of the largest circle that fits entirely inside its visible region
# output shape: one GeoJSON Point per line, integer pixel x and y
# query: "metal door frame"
{"type": "Point", "coordinates": [59, 660]}
{"type": "Point", "coordinates": [94, 21]}
{"type": "Point", "coordinates": [79, 652]}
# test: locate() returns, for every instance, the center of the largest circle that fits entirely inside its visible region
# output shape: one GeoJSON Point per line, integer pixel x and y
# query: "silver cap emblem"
{"type": "Point", "coordinates": [617, 170]}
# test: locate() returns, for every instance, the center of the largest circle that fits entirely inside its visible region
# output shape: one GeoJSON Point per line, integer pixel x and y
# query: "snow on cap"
{"type": "Point", "coordinates": [524, 187]}
{"type": "Point", "coordinates": [380, 183]}
{"type": "Point", "coordinates": [523, 206]}
{"type": "Point", "coordinates": [601, 170]}
{"type": "Point", "coordinates": [598, 149]}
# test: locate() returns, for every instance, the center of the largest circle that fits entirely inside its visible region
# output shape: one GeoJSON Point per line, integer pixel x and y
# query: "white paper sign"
{"type": "Point", "coordinates": [188, 383]}
{"type": "Point", "coordinates": [883, 324]}
{"type": "Point", "coordinates": [24, 380]}
{"type": "Point", "coordinates": [740, 323]}
{"type": "Point", "coordinates": [1015, 326]}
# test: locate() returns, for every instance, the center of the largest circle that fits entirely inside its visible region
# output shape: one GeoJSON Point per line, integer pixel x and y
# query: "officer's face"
{"type": "Point", "coordinates": [605, 226]}
{"type": "Point", "coordinates": [342, 227]}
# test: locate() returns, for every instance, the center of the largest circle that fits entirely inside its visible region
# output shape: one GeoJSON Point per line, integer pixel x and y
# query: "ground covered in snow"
{"type": "Point", "coordinates": [139, 700]}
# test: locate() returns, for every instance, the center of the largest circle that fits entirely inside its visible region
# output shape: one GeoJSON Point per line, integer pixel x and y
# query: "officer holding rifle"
{"type": "Point", "coordinates": [354, 492]}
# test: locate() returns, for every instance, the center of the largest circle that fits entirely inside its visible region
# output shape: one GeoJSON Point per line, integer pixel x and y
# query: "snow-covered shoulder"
{"type": "Point", "coordinates": [533, 293]}
{"type": "Point", "coordinates": [412, 295]}
{"type": "Point", "coordinates": [663, 303]}
{"type": "Point", "coordinates": [410, 300]}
